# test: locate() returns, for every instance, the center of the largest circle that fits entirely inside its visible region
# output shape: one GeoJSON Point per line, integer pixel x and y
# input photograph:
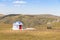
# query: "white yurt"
{"type": "Point", "coordinates": [17, 25]}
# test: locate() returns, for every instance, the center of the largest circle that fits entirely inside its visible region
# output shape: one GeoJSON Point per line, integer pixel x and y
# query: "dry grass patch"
{"type": "Point", "coordinates": [29, 35]}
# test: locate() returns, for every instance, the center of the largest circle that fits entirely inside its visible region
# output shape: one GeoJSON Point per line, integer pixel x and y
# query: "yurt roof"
{"type": "Point", "coordinates": [18, 23]}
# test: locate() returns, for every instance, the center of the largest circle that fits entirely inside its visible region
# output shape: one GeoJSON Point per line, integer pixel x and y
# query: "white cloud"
{"type": "Point", "coordinates": [17, 5]}
{"type": "Point", "coordinates": [19, 2]}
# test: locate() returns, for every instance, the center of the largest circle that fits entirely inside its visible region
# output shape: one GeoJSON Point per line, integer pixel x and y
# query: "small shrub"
{"type": "Point", "coordinates": [49, 27]}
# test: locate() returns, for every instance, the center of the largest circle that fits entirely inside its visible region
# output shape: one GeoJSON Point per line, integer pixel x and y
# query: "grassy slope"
{"type": "Point", "coordinates": [29, 20]}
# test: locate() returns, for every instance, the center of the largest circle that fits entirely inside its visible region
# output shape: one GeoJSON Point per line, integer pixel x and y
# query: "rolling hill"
{"type": "Point", "coordinates": [29, 20]}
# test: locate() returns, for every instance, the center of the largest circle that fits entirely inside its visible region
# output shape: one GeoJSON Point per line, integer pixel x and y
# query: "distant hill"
{"type": "Point", "coordinates": [1, 15]}
{"type": "Point", "coordinates": [29, 20]}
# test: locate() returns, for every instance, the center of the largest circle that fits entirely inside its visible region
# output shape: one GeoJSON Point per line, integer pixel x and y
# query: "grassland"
{"type": "Point", "coordinates": [6, 33]}
{"type": "Point", "coordinates": [29, 35]}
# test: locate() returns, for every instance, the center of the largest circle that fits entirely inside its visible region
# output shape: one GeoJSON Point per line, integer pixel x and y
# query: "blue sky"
{"type": "Point", "coordinates": [30, 7]}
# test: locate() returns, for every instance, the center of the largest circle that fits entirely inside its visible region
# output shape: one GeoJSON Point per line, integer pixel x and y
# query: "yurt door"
{"type": "Point", "coordinates": [20, 26]}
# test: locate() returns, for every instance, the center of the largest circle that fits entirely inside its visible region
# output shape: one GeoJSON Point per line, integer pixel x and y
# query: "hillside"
{"type": "Point", "coordinates": [1, 15]}
{"type": "Point", "coordinates": [29, 20]}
